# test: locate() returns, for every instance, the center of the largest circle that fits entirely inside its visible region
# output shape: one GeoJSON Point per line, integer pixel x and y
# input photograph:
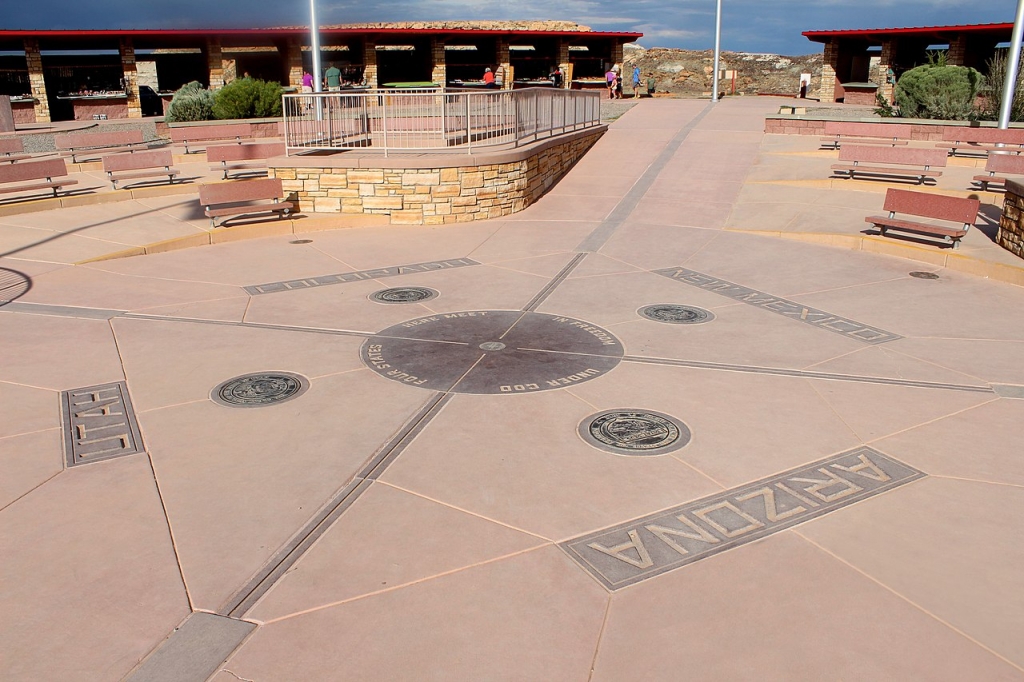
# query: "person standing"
{"type": "Point", "coordinates": [618, 85]}
{"type": "Point", "coordinates": [652, 83]}
{"type": "Point", "coordinates": [307, 81]}
{"type": "Point", "coordinates": [332, 78]}
{"type": "Point", "coordinates": [636, 82]}
{"type": "Point", "coordinates": [610, 80]}
{"type": "Point", "coordinates": [489, 78]}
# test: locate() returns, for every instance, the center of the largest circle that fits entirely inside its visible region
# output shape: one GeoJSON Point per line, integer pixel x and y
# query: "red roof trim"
{"type": "Point", "coordinates": [820, 36]}
{"type": "Point", "coordinates": [113, 33]}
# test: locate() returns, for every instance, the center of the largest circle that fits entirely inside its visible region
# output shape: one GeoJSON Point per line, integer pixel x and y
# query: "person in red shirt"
{"type": "Point", "coordinates": [488, 78]}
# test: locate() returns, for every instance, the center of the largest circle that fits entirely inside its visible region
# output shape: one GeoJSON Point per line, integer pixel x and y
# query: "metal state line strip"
{"type": "Point", "coordinates": [285, 558]}
{"type": "Point", "coordinates": [543, 294]}
{"type": "Point", "coordinates": [603, 232]}
{"type": "Point", "coordinates": [806, 374]}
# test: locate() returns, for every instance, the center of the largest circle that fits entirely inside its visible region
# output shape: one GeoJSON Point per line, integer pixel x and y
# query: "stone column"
{"type": "Point", "coordinates": [131, 77]}
{"type": "Point", "coordinates": [504, 63]}
{"type": "Point", "coordinates": [617, 54]}
{"type": "Point", "coordinates": [438, 64]}
{"type": "Point", "coordinates": [215, 63]}
{"type": "Point", "coordinates": [886, 62]}
{"type": "Point", "coordinates": [563, 63]}
{"type": "Point", "coordinates": [957, 51]}
{"type": "Point", "coordinates": [828, 72]}
{"type": "Point", "coordinates": [36, 80]}
{"type": "Point", "coordinates": [370, 63]}
{"type": "Point", "coordinates": [293, 61]}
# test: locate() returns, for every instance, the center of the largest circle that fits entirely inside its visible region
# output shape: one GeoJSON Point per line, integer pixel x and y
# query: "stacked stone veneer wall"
{"type": "Point", "coordinates": [439, 195]}
{"type": "Point", "coordinates": [1011, 224]}
{"type": "Point", "coordinates": [789, 125]}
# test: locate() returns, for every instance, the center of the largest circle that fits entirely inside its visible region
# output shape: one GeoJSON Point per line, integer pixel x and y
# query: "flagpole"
{"type": "Point", "coordinates": [718, 50]}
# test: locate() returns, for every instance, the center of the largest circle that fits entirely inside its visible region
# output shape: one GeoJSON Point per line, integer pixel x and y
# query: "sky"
{"type": "Point", "coordinates": [747, 25]}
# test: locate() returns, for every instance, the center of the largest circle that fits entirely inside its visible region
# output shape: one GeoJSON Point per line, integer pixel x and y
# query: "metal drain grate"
{"type": "Point", "coordinates": [634, 432]}
{"type": "Point", "coordinates": [259, 390]}
{"type": "Point", "coordinates": [403, 295]}
{"type": "Point", "coordinates": [671, 313]}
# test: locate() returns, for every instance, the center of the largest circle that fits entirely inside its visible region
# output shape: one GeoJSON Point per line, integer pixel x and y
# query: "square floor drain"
{"type": "Point", "coordinates": [99, 423]}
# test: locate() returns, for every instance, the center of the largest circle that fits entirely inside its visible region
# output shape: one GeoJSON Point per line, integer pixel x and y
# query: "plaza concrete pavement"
{"type": "Point", "coordinates": [638, 431]}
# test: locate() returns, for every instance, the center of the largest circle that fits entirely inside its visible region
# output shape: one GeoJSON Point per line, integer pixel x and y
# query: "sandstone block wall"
{"type": "Point", "coordinates": [1011, 224]}
{"type": "Point", "coordinates": [434, 196]}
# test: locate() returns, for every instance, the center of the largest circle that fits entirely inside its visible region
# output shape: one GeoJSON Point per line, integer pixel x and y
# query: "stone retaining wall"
{"type": "Point", "coordinates": [434, 192]}
{"type": "Point", "coordinates": [1011, 224]}
{"type": "Point", "coordinates": [793, 125]}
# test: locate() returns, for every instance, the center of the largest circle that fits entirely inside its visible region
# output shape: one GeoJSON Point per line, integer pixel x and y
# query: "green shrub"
{"type": "Point", "coordinates": [192, 102]}
{"type": "Point", "coordinates": [938, 91]}
{"type": "Point", "coordinates": [248, 98]}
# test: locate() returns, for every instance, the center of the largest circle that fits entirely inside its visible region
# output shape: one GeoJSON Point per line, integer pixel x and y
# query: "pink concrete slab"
{"type": "Point", "coordinates": [532, 617]}
{"type": "Point", "coordinates": [543, 479]}
{"type": "Point", "coordinates": [596, 264]}
{"type": "Point", "coordinates": [58, 353]}
{"type": "Point", "coordinates": [387, 539]}
{"type": "Point", "coordinates": [228, 309]}
{"type": "Point", "coordinates": [169, 363]}
{"type": "Point", "coordinates": [477, 288]}
{"type": "Point", "coordinates": [993, 361]}
{"type": "Point", "coordinates": [743, 426]}
{"type": "Point", "coordinates": [271, 259]}
{"type": "Point", "coordinates": [771, 596]}
{"type": "Point", "coordinates": [52, 247]}
{"type": "Point", "coordinates": [633, 243]}
{"type": "Point", "coordinates": [579, 185]}
{"type": "Point", "coordinates": [684, 213]}
{"type": "Point", "coordinates": [874, 411]}
{"type": "Point", "coordinates": [884, 361]}
{"type": "Point", "coordinates": [91, 288]}
{"type": "Point", "coordinates": [24, 409]}
{"type": "Point", "coordinates": [974, 444]}
{"type": "Point", "coordinates": [239, 482]}
{"type": "Point", "coordinates": [28, 461]}
{"type": "Point", "coordinates": [523, 238]}
{"type": "Point", "coordinates": [544, 266]}
{"type": "Point", "coordinates": [951, 547]}
{"type": "Point", "coordinates": [90, 579]}
{"type": "Point", "coordinates": [375, 247]}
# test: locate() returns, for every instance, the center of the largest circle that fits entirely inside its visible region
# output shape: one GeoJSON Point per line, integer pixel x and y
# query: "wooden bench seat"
{"type": "Point", "coordinates": [1012, 164]}
{"type": "Point", "coordinates": [981, 141]}
{"type": "Point", "coordinates": [852, 132]}
{"type": "Point", "coordinates": [245, 159]}
{"type": "Point", "coordinates": [960, 213]}
{"type": "Point", "coordinates": [97, 145]}
{"type": "Point", "coordinates": [13, 176]}
{"type": "Point", "coordinates": [243, 197]}
{"type": "Point", "coordinates": [899, 162]}
{"type": "Point", "coordinates": [140, 166]}
{"type": "Point", "coordinates": [210, 133]}
{"type": "Point", "coordinates": [12, 149]}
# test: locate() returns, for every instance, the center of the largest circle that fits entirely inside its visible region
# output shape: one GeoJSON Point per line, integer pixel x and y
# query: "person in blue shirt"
{"type": "Point", "coordinates": [636, 82]}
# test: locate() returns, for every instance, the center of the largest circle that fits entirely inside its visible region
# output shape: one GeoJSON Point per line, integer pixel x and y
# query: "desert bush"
{"type": "Point", "coordinates": [939, 91]}
{"type": "Point", "coordinates": [192, 102]}
{"type": "Point", "coordinates": [248, 98]}
{"type": "Point", "coordinates": [993, 89]}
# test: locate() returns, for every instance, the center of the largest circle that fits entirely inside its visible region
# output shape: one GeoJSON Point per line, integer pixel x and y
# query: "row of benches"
{"type": "Point", "coordinates": [954, 138]}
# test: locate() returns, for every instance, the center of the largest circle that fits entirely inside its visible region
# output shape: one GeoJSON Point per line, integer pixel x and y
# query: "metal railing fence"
{"type": "Point", "coordinates": [434, 120]}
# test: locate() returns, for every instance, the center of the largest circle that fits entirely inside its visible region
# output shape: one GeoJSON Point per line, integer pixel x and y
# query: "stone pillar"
{"type": "Point", "coordinates": [131, 77]}
{"type": "Point", "coordinates": [828, 72]}
{"type": "Point", "coordinates": [215, 63]}
{"type": "Point", "coordinates": [617, 54]}
{"type": "Point", "coordinates": [370, 63]}
{"type": "Point", "coordinates": [36, 81]}
{"type": "Point", "coordinates": [563, 63]}
{"type": "Point", "coordinates": [886, 62]}
{"type": "Point", "coordinates": [438, 65]}
{"type": "Point", "coordinates": [957, 51]}
{"type": "Point", "coordinates": [504, 63]}
{"type": "Point", "coordinates": [293, 61]}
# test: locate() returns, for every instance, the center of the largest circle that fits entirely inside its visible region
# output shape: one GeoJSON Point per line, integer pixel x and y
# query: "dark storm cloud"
{"type": "Point", "coordinates": [747, 25]}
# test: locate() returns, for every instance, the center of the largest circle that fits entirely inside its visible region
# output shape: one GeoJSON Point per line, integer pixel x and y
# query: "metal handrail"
{"type": "Point", "coordinates": [434, 119]}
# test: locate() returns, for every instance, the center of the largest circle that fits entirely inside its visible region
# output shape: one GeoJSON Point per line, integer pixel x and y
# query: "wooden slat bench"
{"type": "Point", "coordinates": [980, 141]}
{"type": "Point", "coordinates": [900, 162]}
{"type": "Point", "coordinates": [211, 133]}
{"type": "Point", "coordinates": [140, 166]}
{"type": "Point", "coordinates": [1012, 164]}
{"type": "Point", "coordinates": [853, 132]}
{"type": "Point", "coordinates": [96, 145]}
{"type": "Point", "coordinates": [245, 159]}
{"type": "Point", "coordinates": [245, 197]}
{"type": "Point", "coordinates": [13, 176]}
{"type": "Point", "coordinates": [900, 202]}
